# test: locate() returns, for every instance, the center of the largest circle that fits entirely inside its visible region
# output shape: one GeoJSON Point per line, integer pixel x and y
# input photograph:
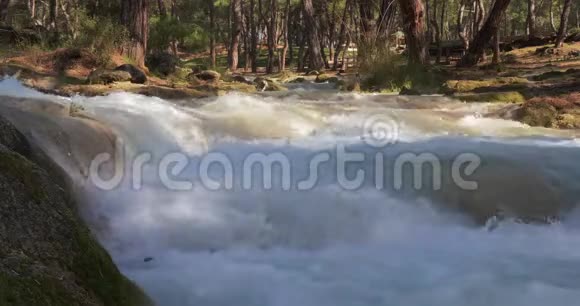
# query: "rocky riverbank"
{"type": "Point", "coordinates": [48, 255]}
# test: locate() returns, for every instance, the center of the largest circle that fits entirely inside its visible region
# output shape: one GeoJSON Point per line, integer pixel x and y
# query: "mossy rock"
{"type": "Point", "coordinates": [137, 75]}
{"type": "Point", "coordinates": [568, 121]}
{"type": "Point", "coordinates": [283, 76]}
{"type": "Point", "coordinates": [538, 114]}
{"type": "Point", "coordinates": [104, 77]}
{"type": "Point", "coordinates": [323, 78]}
{"type": "Point", "coordinates": [298, 80]}
{"type": "Point", "coordinates": [48, 255]}
{"type": "Point", "coordinates": [209, 76]}
{"type": "Point", "coordinates": [499, 97]}
{"type": "Point", "coordinates": [461, 86]}
{"type": "Point", "coordinates": [266, 84]}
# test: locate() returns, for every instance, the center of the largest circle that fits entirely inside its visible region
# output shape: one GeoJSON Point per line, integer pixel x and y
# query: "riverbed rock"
{"type": "Point", "coordinates": [240, 79]}
{"type": "Point", "coordinates": [265, 84]}
{"type": "Point", "coordinates": [322, 78]}
{"type": "Point", "coordinates": [209, 76]}
{"type": "Point", "coordinates": [137, 76]}
{"type": "Point", "coordinates": [538, 114]}
{"type": "Point", "coordinates": [105, 77]}
{"type": "Point", "coordinates": [47, 255]}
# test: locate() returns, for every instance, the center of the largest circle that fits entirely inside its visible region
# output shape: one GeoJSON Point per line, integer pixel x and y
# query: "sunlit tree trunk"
{"type": "Point", "coordinates": [413, 15]}
{"type": "Point", "coordinates": [564, 23]}
{"type": "Point", "coordinates": [212, 30]}
{"type": "Point", "coordinates": [286, 26]}
{"type": "Point", "coordinates": [134, 15]}
{"type": "Point", "coordinates": [312, 32]}
{"type": "Point", "coordinates": [272, 39]}
{"type": "Point", "coordinates": [483, 37]}
{"type": "Point", "coordinates": [531, 20]}
{"type": "Point", "coordinates": [552, 18]}
{"type": "Point", "coordinates": [236, 10]}
{"type": "Point", "coordinates": [342, 34]}
{"type": "Point", "coordinates": [461, 28]}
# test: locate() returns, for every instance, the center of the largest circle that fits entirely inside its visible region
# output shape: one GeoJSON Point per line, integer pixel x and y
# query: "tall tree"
{"type": "Point", "coordinates": [162, 8]}
{"type": "Point", "coordinates": [552, 21]}
{"type": "Point", "coordinates": [271, 27]}
{"type": "Point", "coordinates": [413, 15]}
{"type": "Point", "coordinates": [462, 28]}
{"type": "Point", "coordinates": [312, 32]}
{"type": "Point", "coordinates": [285, 30]}
{"type": "Point", "coordinates": [253, 37]}
{"type": "Point", "coordinates": [4, 11]}
{"type": "Point", "coordinates": [134, 15]}
{"type": "Point", "coordinates": [236, 11]}
{"type": "Point", "coordinates": [564, 23]}
{"type": "Point", "coordinates": [212, 30]}
{"type": "Point", "coordinates": [483, 37]}
{"type": "Point", "coordinates": [531, 20]}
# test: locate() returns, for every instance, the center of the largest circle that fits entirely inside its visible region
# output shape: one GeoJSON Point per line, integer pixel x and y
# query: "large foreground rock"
{"type": "Point", "coordinates": [137, 76]}
{"type": "Point", "coordinates": [47, 255]}
{"type": "Point", "coordinates": [104, 77]}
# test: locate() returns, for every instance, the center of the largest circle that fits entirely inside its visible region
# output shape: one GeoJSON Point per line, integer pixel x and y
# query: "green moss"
{"type": "Point", "coordinates": [93, 268]}
{"type": "Point", "coordinates": [16, 290]}
{"type": "Point", "coordinates": [539, 114]}
{"type": "Point", "coordinates": [501, 97]}
{"type": "Point", "coordinates": [23, 170]}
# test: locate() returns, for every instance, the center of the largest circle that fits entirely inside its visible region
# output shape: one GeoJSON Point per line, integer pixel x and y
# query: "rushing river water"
{"type": "Point", "coordinates": [329, 244]}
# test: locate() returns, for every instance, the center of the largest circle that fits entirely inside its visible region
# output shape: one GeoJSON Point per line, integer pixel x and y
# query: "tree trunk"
{"type": "Point", "coordinates": [484, 36]}
{"type": "Point", "coordinates": [552, 21]}
{"type": "Point", "coordinates": [253, 37]}
{"type": "Point", "coordinates": [134, 15]}
{"type": "Point", "coordinates": [481, 14]}
{"type": "Point", "coordinates": [413, 15]}
{"type": "Point", "coordinates": [434, 26]}
{"type": "Point", "coordinates": [4, 11]}
{"type": "Point", "coordinates": [341, 35]}
{"type": "Point", "coordinates": [461, 28]}
{"type": "Point", "coordinates": [564, 23]}
{"type": "Point", "coordinates": [286, 28]}
{"type": "Point", "coordinates": [271, 29]}
{"type": "Point", "coordinates": [441, 30]}
{"type": "Point", "coordinates": [312, 31]}
{"type": "Point", "coordinates": [531, 19]}
{"type": "Point", "coordinates": [162, 8]}
{"type": "Point", "coordinates": [212, 51]}
{"type": "Point", "coordinates": [496, 50]}
{"type": "Point", "coordinates": [236, 9]}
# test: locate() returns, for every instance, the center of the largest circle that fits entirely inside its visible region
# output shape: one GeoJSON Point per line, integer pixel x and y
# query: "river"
{"type": "Point", "coordinates": [315, 236]}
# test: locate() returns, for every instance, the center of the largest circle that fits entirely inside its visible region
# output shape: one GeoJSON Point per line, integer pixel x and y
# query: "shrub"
{"type": "Point", "coordinates": [100, 35]}
{"type": "Point", "coordinates": [164, 31]}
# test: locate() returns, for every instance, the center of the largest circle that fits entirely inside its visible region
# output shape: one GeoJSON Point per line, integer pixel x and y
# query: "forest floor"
{"type": "Point", "coordinates": [541, 84]}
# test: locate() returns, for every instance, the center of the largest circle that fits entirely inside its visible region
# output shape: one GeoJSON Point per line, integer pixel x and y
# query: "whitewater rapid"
{"type": "Point", "coordinates": [329, 245]}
